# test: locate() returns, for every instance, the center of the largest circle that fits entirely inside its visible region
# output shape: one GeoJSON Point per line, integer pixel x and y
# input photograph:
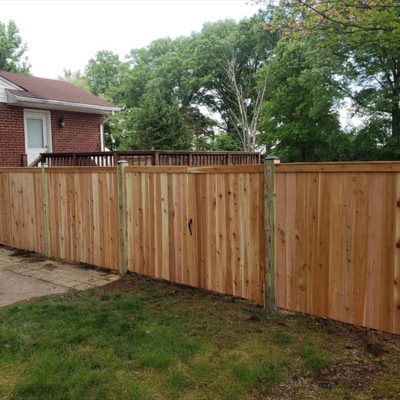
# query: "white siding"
{"type": "Point", "coordinates": [3, 86]}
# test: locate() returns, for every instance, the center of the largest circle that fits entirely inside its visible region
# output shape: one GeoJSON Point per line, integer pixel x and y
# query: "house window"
{"type": "Point", "coordinates": [34, 128]}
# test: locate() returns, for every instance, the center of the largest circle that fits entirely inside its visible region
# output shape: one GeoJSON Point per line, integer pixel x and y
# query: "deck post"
{"type": "Point", "coordinates": [24, 160]}
{"type": "Point", "coordinates": [269, 226]}
{"type": "Point", "coordinates": [45, 212]}
{"type": "Point", "coordinates": [122, 216]}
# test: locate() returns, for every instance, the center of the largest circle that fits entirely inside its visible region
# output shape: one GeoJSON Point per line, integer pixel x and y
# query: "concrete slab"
{"type": "Point", "coordinates": [23, 277]}
{"type": "Point", "coordinates": [15, 288]}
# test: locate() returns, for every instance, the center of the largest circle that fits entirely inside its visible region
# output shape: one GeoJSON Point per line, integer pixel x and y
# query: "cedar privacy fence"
{"type": "Point", "coordinates": [319, 238]}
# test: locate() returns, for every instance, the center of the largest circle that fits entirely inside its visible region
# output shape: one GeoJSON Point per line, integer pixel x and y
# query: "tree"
{"type": "Point", "coordinates": [12, 49]}
{"type": "Point", "coordinates": [227, 69]}
{"type": "Point", "coordinates": [159, 125]}
{"type": "Point", "coordinates": [354, 21]}
{"type": "Point", "coordinates": [375, 73]}
{"type": "Point", "coordinates": [299, 120]}
{"type": "Point", "coordinates": [367, 33]}
{"type": "Point", "coordinates": [103, 74]}
{"type": "Point", "coordinates": [76, 78]}
{"type": "Point", "coordinates": [162, 67]}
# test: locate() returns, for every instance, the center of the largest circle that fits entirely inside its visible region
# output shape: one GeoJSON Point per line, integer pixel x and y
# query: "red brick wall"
{"type": "Point", "coordinates": [12, 135]}
{"type": "Point", "coordinates": [81, 133]}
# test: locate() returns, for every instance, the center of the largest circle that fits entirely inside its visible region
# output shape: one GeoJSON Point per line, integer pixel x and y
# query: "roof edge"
{"type": "Point", "coordinates": [12, 98]}
{"type": "Point", "coordinates": [16, 87]}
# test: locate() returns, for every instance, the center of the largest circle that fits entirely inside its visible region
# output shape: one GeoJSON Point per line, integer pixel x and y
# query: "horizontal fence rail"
{"type": "Point", "coordinates": [322, 238]}
{"type": "Point", "coordinates": [150, 157]}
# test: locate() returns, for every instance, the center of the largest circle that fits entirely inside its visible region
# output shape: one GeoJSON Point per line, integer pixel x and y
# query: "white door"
{"type": "Point", "coordinates": [37, 133]}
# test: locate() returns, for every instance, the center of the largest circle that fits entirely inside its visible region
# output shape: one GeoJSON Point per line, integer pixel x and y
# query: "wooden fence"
{"type": "Point", "coordinates": [202, 227]}
{"type": "Point", "coordinates": [336, 228]}
{"type": "Point", "coordinates": [337, 241]}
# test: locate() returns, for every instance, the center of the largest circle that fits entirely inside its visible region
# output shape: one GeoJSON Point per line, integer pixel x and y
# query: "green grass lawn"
{"type": "Point", "coordinates": [143, 339]}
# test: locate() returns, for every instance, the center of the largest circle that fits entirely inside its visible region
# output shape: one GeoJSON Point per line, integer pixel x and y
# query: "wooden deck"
{"type": "Point", "coordinates": [147, 158]}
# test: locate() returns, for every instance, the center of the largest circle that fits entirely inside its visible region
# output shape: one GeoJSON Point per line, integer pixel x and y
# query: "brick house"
{"type": "Point", "coordinates": [39, 115]}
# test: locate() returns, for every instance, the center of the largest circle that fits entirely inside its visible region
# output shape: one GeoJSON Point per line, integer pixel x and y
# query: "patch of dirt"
{"type": "Point", "coordinates": [351, 370]}
{"type": "Point", "coordinates": [120, 286]}
{"type": "Point", "coordinates": [254, 318]}
{"type": "Point", "coordinates": [28, 256]}
{"type": "Point", "coordinates": [360, 357]}
{"type": "Point", "coordinates": [297, 387]}
{"type": "Point", "coordinates": [50, 267]}
{"type": "Point", "coordinates": [374, 342]}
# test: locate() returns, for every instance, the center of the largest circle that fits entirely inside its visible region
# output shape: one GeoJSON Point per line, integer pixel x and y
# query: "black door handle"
{"type": "Point", "coordinates": [190, 226]}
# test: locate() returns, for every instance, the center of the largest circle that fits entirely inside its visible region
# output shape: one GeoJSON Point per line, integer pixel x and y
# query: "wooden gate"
{"type": "Point", "coordinates": [202, 227]}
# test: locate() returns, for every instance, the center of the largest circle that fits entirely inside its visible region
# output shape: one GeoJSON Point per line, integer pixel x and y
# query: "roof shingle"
{"type": "Point", "coordinates": [50, 89]}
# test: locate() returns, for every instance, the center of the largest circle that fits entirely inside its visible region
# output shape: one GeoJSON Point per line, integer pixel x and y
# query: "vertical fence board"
{"type": "Point", "coordinates": [337, 230]}
{"type": "Point", "coordinates": [21, 209]}
{"type": "Point", "coordinates": [160, 206]}
{"type": "Point", "coordinates": [83, 216]}
{"type": "Point", "coordinates": [347, 268]}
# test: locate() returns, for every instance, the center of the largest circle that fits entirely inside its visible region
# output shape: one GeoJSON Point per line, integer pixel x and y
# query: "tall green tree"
{"type": "Point", "coordinates": [214, 77]}
{"type": "Point", "coordinates": [12, 49]}
{"type": "Point", "coordinates": [162, 67]}
{"type": "Point", "coordinates": [103, 74]}
{"type": "Point", "coordinates": [367, 32]}
{"type": "Point", "coordinates": [299, 119]}
{"type": "Point", "coordinates": [159, 125]}
{"type": "Point", "coordinates": [228, 60]}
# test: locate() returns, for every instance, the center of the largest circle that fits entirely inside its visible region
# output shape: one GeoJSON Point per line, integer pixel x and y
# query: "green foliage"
{"type": "Point", "coordinates": [275, 81]}
{"type": "Point", "coordinates": [76, 78]}
{"type": "Point", "coordinates": [103, 74]}
{"type": "Point", "coordinates": [367, 35]}
{"type": "Point", "coordinates": [298, 119]}
{"type": "Point", "coordinates": [190, 72]}
{"type": "Point", "coordinates": [224, 142]}
{"type": "Point", "coordinates": [12, 49]}
{"type": "Point", "coordinates": [227, 59]}
{"type": "Point", "coordinates": [373, 69]}
{"type": "Point", "coordinates": [159, 125]}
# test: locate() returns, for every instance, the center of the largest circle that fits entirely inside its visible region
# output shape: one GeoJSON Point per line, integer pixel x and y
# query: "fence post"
{"type": "Point", "coordinates": [269, 226]}
{"type": "Point", "coordinates": [122, 216]}
{"type": "Point", "coordinates": [45, 212]}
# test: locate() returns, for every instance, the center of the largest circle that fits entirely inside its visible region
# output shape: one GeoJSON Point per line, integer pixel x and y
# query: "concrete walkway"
{"type": "Point", "coordinates": [23, 278]}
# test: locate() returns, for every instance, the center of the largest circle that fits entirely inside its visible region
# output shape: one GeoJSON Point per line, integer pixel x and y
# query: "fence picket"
{"type": "Point", "coordinates": [337, 225]}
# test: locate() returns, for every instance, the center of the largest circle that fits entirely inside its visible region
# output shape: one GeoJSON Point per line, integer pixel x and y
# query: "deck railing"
{"type": "Point", "coordinates": [147, 157]}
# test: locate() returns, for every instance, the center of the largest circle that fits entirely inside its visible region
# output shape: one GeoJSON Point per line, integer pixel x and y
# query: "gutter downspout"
{"type": "Point", "coordinates": [102, 131]}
